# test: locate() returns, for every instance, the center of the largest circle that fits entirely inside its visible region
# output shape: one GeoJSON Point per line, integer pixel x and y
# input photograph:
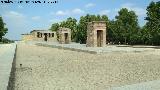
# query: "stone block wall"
{"type": "Point", "coordinates": [96, 34]}
{"type": "Point", "coordinates": [64, 35]}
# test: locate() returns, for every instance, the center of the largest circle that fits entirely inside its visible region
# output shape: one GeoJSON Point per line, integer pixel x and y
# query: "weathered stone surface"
{"type": "Point", "coordinates": [64, 35]}
{"type": "Point", "coordinates": [40, 35]}
{"type": "Point", "coordinates": [96, 34]}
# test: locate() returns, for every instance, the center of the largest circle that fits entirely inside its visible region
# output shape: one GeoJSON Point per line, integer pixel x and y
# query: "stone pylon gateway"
{"type": "Point", "coordinates": [96, 34]}
{"type": "Point", "coordinates": [64, 35]}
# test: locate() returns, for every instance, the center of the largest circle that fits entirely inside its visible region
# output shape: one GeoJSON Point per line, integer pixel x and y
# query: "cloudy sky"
{"type": "Point", "coordinates": [22, 18]}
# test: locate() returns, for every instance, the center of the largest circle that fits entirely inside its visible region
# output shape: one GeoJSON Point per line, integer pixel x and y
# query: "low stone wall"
{"type": "Point", "coordinates": [67, 48]}
{"type": "Point", "coordinates": [11, 82]}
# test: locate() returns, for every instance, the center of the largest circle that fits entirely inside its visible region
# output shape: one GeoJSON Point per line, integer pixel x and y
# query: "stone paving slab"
{"type": "Point", "coordinates": [151, 85]}
{"type": "Point", "coordinates": [6, 58]}
{"type": "Point", "coordinates": [94, 50]}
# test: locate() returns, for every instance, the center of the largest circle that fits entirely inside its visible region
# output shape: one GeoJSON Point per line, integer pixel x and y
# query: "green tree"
{"type": "Point", "coordinates": [146, 36]}
{"type": "Point", "coordinates": [72, 24]}
{"type": "Point", "coordinates": [3, 30]}
{"type": "Point", "coordinates": [54, 27]}
{"type": "Point", "coordinates": [113, 33]}
{"type": "Point", "coordinates": [105, 18]}
{"type": "Point", "coordinates": [153, 22]}
{"type": "Point", "coordinates": [81, 34]}
{"type": "Point", "coordinates": [125, 28]}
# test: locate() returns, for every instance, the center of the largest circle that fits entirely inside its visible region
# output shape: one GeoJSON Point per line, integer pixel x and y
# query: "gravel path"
{"type": "Point", "coordinates": [46, 68]}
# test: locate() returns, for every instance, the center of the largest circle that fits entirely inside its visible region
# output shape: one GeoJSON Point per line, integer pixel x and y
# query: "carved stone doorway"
{"type": "Point", "coordinates": [99, 38]}
{"type": "Point", "coordinates": [66, 38]}
{"type": "Point", "coordinates": [45, 37]}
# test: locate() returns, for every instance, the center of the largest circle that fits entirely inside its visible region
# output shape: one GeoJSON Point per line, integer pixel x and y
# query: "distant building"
{"type": "Point", "coordinates": [27, 37]}
{"type": "Point", "coordinates": [40, 35]}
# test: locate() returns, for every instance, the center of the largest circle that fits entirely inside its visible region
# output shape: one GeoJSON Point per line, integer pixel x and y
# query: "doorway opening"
{"type": "Point", "coordinates": [45, 36]}
{"type": "Point", "coordinates": [66, 37]}
{"type": "Point", "coordinates": [99, 38]}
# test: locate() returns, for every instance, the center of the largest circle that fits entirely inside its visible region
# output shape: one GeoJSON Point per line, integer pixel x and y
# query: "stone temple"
{"type": "Point", "coordinates": [40, 35]}
{"type": "Point", "coordinates": [96, 34]}
{"type": "Point", "coordinates": [64, 35]}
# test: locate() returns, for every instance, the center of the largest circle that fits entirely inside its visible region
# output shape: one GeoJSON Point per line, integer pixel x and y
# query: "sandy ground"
{"type": "Point", "coordinates": [45, 68]}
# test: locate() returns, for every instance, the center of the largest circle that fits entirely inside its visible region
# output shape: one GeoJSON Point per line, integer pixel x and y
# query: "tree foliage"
{"type": "Point", "coordinates": [153, 22]}
{"type": "Point", "coordinates": [3, 30]}
{"type": "Point", "coordinates": [54, 27]}
{"type": "Point", "coordinates": [125, 28]}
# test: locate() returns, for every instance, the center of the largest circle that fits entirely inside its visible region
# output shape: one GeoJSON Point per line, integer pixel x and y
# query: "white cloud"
{"type": "Point", "coordinates": [138, 10]}
{"type": "Point", "coordinates": [75, 11]}
{"type": "Point", "coordinates": [20, 7]}
{"type": "Point", "coordinates": [104, 12]}
{"type": "Point", "coordinates": [90, 5]}
{"type": "Point", "coordinates": [127, 5]}
{"type": "Point", "coordinates": [55, 20]}
{"type": "Point", "coordinates": [36, 18]}
{"type": "Point", "coordinates": [62, 13]}
{"type": "Point", "coordinates": [16, 18]}
{"type": "Point", "coordinates": [16, 23]}
{"type": "Point", "coordinates": [14, 14]}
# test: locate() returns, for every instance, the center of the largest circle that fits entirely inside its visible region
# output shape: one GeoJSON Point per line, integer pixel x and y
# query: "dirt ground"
{"type": "Point", "coordinates": [45, 68]}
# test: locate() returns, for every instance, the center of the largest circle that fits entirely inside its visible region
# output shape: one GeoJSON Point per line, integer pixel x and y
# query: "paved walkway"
{"type": "Point", "coordinates": [151, 85]}
{"type": "Point", "coordinates": [96, 50]}
{"type": "Point", "coordinates": [6, 57]}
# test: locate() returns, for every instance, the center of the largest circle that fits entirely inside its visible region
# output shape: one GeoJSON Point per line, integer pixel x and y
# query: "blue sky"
{"type": "Point", "coordinates": [22, 18]}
